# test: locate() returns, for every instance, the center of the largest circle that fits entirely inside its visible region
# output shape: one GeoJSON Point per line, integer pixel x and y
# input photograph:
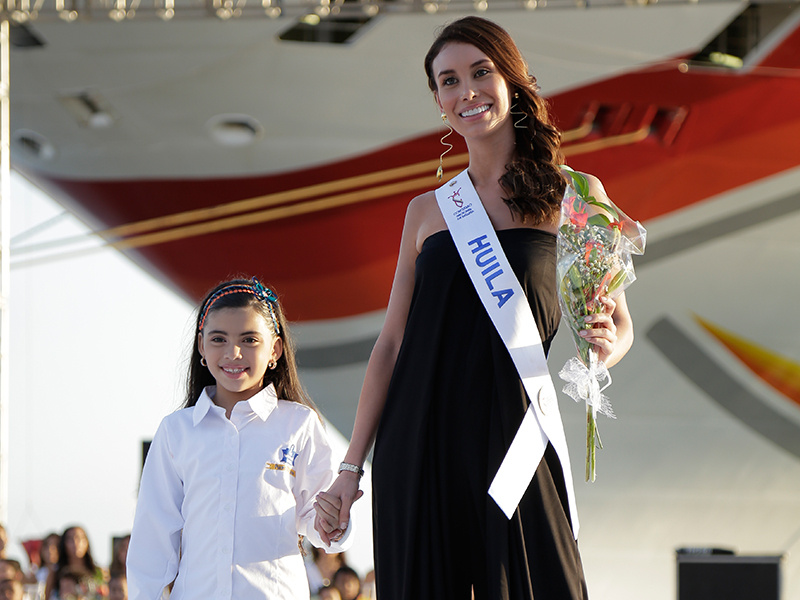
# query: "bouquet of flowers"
{"type": "Point", "coordinates": [595, 244]}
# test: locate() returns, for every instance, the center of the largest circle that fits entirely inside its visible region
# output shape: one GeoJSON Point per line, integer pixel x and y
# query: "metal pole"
{"type": "Point", "coordinates": [5, 269]}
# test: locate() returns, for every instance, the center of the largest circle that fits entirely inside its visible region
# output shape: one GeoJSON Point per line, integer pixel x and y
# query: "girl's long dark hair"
{"type": "Point", "coordinates": [284, 376]}
{"type": "Point", "coordinates": [533, 179]}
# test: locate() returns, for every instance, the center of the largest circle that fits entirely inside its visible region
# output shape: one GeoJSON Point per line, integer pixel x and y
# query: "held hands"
{"type": "Point", "coordinates": [601, 329]}
{"type": "Point", "coordinates": [333, 507]}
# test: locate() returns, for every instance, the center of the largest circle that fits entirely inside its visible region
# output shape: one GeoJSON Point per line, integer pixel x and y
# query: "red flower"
{"type": "Point", "coordinates": [603, 287]}
{"type": "Point", "coordinates": [592, 249]}
{"type": "Point", "coordinates": [579, 219]}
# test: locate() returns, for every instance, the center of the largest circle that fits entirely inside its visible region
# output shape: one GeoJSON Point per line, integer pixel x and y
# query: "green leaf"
{"type": "Point", "coordinates": [575, 279]}
{"type": "Point", "coordinates": [580, 182]}
{"type": "Point", "coordinates": [606, 207]}
{"type": "Point", "coordinates": [618, 280]}
{"type": "Point", "coordinates": [599, 220]}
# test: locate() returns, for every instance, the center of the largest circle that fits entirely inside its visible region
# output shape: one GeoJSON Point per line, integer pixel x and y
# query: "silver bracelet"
{"type": "Point", "coordinates": [345, 466]}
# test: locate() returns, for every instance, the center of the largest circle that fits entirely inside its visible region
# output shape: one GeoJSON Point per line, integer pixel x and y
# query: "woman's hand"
{"type": "Point", "coordinates": [333, 507]}
{"type": "Point", "coordinates": [611, 331]}
{"type": "Point", "coordinates": [601, 329]}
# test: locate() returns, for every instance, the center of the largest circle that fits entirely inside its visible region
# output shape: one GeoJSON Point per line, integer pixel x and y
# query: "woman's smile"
{"type": "Point", "coordinates": [471, 112]}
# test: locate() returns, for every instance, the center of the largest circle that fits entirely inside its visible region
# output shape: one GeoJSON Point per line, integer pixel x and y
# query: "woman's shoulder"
{"type": "Point", "coordinates": [423, 217]}
{"type": "Point", "coordinates": [421, 206]}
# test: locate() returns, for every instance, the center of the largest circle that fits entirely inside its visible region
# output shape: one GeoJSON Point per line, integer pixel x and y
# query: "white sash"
{"type": "Point", "coordinates": [507, 305]}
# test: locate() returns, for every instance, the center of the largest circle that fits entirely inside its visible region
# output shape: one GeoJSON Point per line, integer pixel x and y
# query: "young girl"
{"type": "Point", "coordinates": [230, 480]}
{"type": "Point", "coordinates": [48, 560]}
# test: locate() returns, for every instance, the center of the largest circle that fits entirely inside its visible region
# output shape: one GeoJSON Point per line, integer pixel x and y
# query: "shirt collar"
{"type": "Point", "coordinates": [203, 404]}
{"type": "Point", "coordinates": [263, 403]}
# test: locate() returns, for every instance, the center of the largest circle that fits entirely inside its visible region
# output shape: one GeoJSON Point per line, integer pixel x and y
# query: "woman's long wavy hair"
{"type": "Point", "coordinates": [533, 179]}
{"type": "Point", "coordinates": [284, 376]}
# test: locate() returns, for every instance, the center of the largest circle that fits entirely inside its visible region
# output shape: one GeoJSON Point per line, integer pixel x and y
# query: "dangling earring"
{"type": "Point", "coordinates": [518, 124]}
{"type": "Point", "coordinates": [272, 364]}
{"type": "Point", "coordinates": [203, 361]}
{"type": "Point", "coordinates": [440, 170]}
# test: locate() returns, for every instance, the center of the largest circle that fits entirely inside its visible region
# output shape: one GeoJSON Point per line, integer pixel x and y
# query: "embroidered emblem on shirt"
{"type": "Point", "coordinates": [288, 455]}
{"type": "Point", "coordinates": [280, 467]}
{"type": "Point", "coordinates": [286, 462]}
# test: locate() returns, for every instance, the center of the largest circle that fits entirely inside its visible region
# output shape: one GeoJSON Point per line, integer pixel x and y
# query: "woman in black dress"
{"type": "Point", "coordinates": [442, 399]}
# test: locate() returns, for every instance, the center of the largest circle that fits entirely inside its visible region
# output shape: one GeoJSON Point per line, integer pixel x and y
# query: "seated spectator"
{"type": "Point", "coordinates": [321, 568]}
{"type": "Point", "coordinates": [348, 583]}
{"type": "Point", "coordinates": [329, 592]}
{"type": "Point", "coordinates": [73, 584]}
{"type": "Point", "coordinates": [10, 580]}
{"type": "Point", "coordinates": [9, 549]}
{"type": "Point", "coordinates": [75, 554]}
{"type": "Point", "coordinates": [3, 542]}
{"type": "Point", "coordinates": [368, 586]}
{"type": "Point", "coordinates": [118, 587]}
{"type": "Point", "coordinates": [48, 557]}
{"type": "Point", "coordinates": [119, 556]}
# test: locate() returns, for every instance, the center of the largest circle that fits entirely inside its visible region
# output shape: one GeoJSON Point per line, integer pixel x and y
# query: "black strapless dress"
{"type": "Point", "coordinates": [455, 402]}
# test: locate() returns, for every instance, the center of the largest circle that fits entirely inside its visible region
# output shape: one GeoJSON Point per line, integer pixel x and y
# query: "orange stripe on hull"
{"type": "Point", "coordinates": [779, 372]}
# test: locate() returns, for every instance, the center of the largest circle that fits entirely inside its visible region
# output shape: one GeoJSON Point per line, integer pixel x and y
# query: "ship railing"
{"type": "Point", "coordinates": [22, 11]}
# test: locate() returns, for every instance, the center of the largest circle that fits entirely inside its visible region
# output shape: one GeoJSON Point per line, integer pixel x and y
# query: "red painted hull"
{"type": "Point", "coordinates": [703, 132]}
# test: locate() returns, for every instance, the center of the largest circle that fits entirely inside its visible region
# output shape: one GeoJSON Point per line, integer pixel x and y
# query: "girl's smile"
{"type": "Point", "coordinates": [233, 371]}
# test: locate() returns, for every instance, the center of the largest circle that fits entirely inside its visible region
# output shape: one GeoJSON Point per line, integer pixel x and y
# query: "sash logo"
{"type": "Point", "coordinates": [456, 198]}
{"type": "Point", "coordinates": [487, 261]}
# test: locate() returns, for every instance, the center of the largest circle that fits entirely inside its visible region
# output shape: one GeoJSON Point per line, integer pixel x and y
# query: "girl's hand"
{"type": "Point", "coordinates": [327, 518]}
{"type": "Point", "coordinates": [601, 330]}
{"type": "Point", "coordinates": [333, 507]}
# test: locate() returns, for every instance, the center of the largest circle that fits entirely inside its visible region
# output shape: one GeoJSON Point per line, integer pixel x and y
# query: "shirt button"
{"type": "Point", "coordinates": [229, 467]}
{"type": "Point", "coordinates": [228, 508]}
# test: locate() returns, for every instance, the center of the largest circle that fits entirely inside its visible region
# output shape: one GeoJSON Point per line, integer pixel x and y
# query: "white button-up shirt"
{"type": "Point", "coordinates": [222, 502]}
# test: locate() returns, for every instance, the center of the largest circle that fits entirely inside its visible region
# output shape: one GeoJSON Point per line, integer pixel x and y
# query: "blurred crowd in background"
{"type": "Point", "coordinates": [59, 566]}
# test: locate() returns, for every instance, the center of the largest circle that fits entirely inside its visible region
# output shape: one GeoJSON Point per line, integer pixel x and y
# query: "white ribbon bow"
{"type": "Point", "coordinates": [584, 384]}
